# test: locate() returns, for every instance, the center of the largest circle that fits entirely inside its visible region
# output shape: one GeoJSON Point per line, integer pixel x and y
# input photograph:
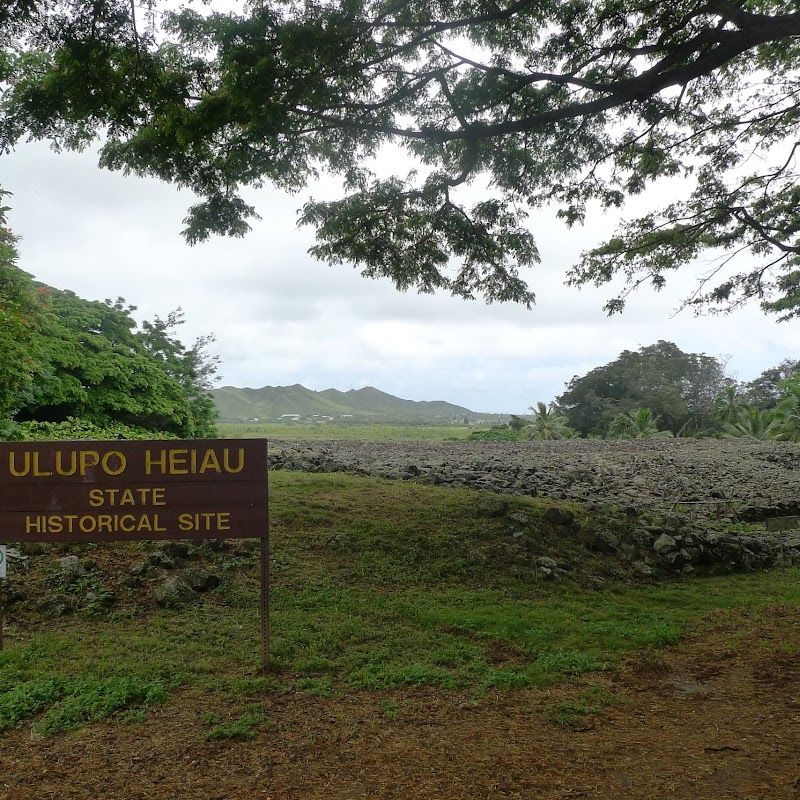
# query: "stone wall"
{"type": "Point", "coordinates": [671, 504]}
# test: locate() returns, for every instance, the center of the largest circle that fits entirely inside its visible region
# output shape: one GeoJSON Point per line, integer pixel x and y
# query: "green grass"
{"type": "Point", "coordinates": [366, 432]}
{"type": "Point", "coordinates": [376, 586]}
{"type": "Point", "coordinates": [242, 728]}
{"type": "Point", "coordinates": [31, 683]}
{"type": "Point", "coordinates": [576, 714]}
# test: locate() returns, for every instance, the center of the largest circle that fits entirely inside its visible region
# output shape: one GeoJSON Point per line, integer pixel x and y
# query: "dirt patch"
{"type": "Point", "coordinates": [716, 717]}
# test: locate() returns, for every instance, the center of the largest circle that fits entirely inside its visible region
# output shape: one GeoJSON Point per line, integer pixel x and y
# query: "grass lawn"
{"type": "Point", "coordinates": [376, 585]}
{"type": "Point", "coordinates": [334, 432]}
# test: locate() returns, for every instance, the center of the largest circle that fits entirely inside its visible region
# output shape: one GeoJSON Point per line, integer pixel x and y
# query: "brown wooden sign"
{"type": "Point", "coordinates": [127, 490]}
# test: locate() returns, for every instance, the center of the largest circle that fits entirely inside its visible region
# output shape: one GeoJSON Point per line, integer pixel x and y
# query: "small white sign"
{"type": "Point", "coordinates": [2, 561]}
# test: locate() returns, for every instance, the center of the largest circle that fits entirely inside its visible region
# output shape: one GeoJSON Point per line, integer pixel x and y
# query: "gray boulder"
{"type": "Point", "coordinates": [665, 544]}
{"type": "Point", "coordinates": [71, 569]}
{"type": "Point", "coordinates": [199, 579]}
{"type": "Point", "coordinates": [174, 592]}
{"type": "Point", "coordinates": [558, 516]}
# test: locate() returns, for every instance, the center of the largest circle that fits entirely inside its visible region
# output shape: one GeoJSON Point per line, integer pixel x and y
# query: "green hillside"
{"type": "Point", "coordinates": [270, 403]}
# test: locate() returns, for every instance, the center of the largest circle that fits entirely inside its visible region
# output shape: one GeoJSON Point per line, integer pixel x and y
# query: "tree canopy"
{"type": "Point", "coordinates": [676, 388]}
{"type": "Point", "coordinates": [579, 105]}
{"type": "Point", "coordinates": [548, 424]}
{"type": "Point", "coordinates": [94, 366]}
{"type": "Point", "coordinates": [193, 368]}
{"type": "Point", "coordinates": [63, 358]}
{"type": "Point", "coordinates": [639, 424]}
{"type": "Point", "coordinates": [20, 316]}
{"type": "Point", "coordinates": [767, 389]}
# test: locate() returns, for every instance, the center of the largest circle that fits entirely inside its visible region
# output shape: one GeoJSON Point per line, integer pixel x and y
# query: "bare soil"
{"type": "Point", "coordinates": [717, 716]}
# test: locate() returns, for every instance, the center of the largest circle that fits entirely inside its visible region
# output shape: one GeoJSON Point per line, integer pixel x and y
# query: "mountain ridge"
{"type": "Point", "coordinates": [271, 403]}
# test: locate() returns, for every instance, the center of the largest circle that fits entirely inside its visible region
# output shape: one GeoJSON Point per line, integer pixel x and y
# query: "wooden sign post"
{"type": "Point", "coordinates": [3, 566]}
{"type": "Point", "coordinates": [92, 491]}
{"type": "Point", "coordinates": [782, 524]}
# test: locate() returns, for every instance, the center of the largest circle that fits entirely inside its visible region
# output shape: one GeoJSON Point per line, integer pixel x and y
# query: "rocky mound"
{"type": "Point", "coordinates": [755, 479]}
{"type": "Point", "coordinates": [680, 504]}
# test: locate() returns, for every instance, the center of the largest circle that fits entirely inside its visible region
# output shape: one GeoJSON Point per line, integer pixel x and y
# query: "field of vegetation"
{"type": "Point", "coordinates": [362, 432]}
{"type": "Point", "coordinates": [376, 585]}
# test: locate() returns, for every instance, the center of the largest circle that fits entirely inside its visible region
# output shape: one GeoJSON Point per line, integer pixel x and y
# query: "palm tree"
{"type": "Point", "coordinates": [548, 423]}
{"type": "Point", "coordinates": [785, 425]}
{"type": "Point", "coordinates": [729, 406]}
{"type": "Point", "coordinates": [640, 424]}
{"type": "Point", "coordinates": [753, 423]}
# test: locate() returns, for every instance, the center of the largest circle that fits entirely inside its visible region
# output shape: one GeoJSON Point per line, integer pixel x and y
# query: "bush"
{"type": "Point", "coordinates": [73, 428]}
{"type": "Point", "coordinates": [494, 435]}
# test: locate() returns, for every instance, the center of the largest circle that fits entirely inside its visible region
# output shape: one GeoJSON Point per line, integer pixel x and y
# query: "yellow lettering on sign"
{"type": "Point", "coordinates": [87, 524]}
{"type": "Point", "coordinates": [88, 459]}
{"type": "Point", "coordinates": [73, 463]}
{"type": "Point", "coordinates": [65, 464]}
{"type": "Point", "coordinates": [109, 458]}
{"type": "Point", "coordinates": [127, 523]}
{"type": "Point", "coordinates": [193, 462]}
{"type": "Point", "coordinates": [36, 525]}
{"type": "Point", "coordinates": [40, 524]}
{"type": "Point", "coordinates": [177, 462]}
{"type": "Point", "coordinates": [139, 496]}
{"type": "Point", "coordinates": [16, 471]}
{"type": "Point", "coordinates": [210, 462]}
{"type": "Point", "coordinates": [37, 471]}
{"type": "Point", "coordinates": [226, 460]}
{"type": "Point", "coordinates": [150, 462]}
{"type": "Point", "coordinates": [204, 521]}
{"type": "Point", "coordinates": [55, 524]}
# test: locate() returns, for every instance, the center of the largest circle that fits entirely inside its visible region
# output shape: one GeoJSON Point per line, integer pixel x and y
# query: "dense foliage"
{"type": "Point", "coordinates": [679, 388]}
{"type": "Point", "coordinates": [94, 369]}
{"type": "Point", "coordinates": [661, 391]}
{"type": "Point", "coordinates": [194, 368]}
{"type": "Point", "coordinates": [639, 424]}
{"type": "Point", "coordinates": [72, 367]}
{"type": "Point", "coordinates": [578, 105]}
{"type": "Point", "coordinates": [97, 368]}
{"type": "Point", "coordinates": [20, 316]}
{"type": "Point", "coordinates": [548, 424]}
{"type": "Point", "coordinates": [73, 428]}
{"type": "Point", "coordinates": [785, 425]}
{"type": "Point", "coordinates": [765, 391]}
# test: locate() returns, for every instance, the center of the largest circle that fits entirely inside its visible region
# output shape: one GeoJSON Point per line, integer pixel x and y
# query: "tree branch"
{"type": "Point", "coordinates": [743, 215]}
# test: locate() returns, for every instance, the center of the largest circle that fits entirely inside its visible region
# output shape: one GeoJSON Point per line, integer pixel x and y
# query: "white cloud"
{"type": "Point", "coordinates": [281, 317]}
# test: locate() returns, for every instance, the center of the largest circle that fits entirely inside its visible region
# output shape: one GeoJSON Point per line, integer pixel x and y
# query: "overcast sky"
{"type": "Point", "coordinates": [281, 317]}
